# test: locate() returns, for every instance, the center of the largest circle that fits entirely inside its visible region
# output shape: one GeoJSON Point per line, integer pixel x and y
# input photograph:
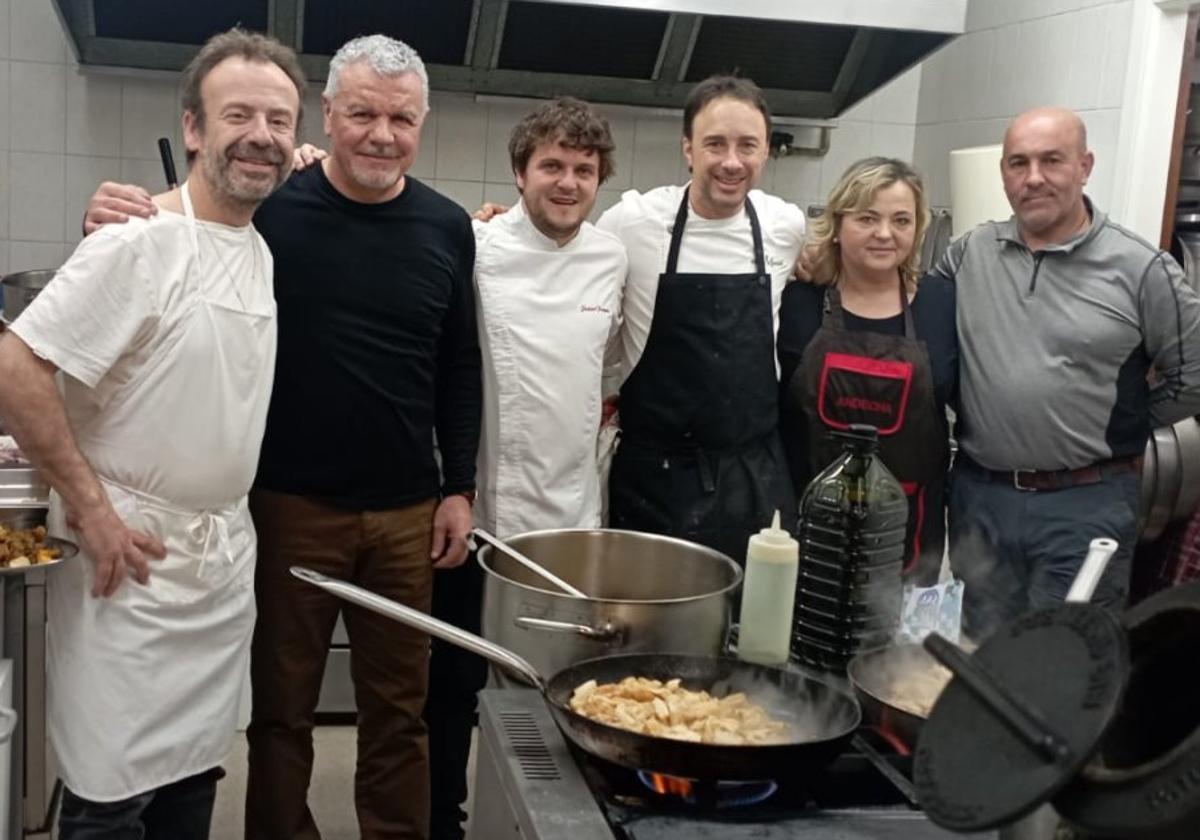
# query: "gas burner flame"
{"type": "Point", "coordinates": [721, 794]}
{"type": "Point", "coordinates": [891, 737]}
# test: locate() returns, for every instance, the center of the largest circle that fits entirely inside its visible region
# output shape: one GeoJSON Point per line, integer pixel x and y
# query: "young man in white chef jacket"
{"type": "Point", "coordinates": [164, 330]}
{"type": "Point", "coordinates": [548, 292]}
{"type": "Point", "coordinates": [549, 301]}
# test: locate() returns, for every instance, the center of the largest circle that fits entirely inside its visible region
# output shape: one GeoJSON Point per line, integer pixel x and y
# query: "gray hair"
{"type": "Point", "coordinates": [386, 56]}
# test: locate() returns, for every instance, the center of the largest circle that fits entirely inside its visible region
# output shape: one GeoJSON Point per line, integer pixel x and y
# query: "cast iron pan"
{"type": "Point", "coordinates": [823, 717]}
{"type": "Point", "coordinates": [1144, 781]}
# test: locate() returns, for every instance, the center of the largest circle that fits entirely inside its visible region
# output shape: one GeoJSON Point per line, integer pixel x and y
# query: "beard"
{"type": "Point", "coordinates": [232, 185]}
{"type": "Point", "coordinates": [372, 177]}
{"type": "Point", "coordinates": [567, 225]}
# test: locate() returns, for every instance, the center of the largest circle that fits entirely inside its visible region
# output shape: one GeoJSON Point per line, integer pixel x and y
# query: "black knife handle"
{"type": "Point", "coordinates": [168, 162]}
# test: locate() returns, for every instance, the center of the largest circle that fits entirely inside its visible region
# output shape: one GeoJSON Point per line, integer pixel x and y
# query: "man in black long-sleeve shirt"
{"type": "Point", "coordinates": [378, 352]}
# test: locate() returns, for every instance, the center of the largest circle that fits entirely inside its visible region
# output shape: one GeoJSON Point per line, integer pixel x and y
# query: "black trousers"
{"type": "Point", "coordinates": [455, 678]}
{"type": "Point", "coordinates": [181, 810]}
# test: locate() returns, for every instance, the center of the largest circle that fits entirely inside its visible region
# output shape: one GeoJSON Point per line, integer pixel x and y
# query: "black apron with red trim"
{"type": "Point", "coordinates": [886, 381]}
{"type": "Point", "coordinates": [700, 456]}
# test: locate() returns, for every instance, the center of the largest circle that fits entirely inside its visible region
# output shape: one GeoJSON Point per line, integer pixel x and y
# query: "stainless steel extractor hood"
{"type": "Point", "coordinates": [814, 58]}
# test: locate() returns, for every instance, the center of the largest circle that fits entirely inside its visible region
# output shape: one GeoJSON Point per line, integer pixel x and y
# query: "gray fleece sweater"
{"type": "Point", "coordinates": [1055, 345]}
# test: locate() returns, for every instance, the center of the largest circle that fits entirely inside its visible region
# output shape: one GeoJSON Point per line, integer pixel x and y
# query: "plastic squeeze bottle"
{"type": "Point", "coordinates": [768, 596]}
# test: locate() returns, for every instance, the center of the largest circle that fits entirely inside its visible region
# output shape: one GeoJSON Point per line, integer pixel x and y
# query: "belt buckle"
{"type": "Point", "coordinates": [1017, 481]}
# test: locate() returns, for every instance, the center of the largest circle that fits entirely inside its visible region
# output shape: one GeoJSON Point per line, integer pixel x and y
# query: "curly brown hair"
{"type": "Point", "coordinates": [569, 121]}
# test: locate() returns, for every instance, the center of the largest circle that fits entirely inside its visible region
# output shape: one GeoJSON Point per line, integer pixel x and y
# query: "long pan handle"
{"type": "Point", "coordinates": [1100, 551]}
{"type": "Point", "coordinates": [506, 659]}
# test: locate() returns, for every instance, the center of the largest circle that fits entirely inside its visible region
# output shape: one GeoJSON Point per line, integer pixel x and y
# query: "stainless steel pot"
{"type": "Point", "coordinates": [21, 288]}
{"type": "Point", "coordinates": [646, 593]}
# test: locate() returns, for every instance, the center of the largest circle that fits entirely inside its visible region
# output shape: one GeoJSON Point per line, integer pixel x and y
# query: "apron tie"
{"type": "Point", "coordinates": [208, 526]}
{"type": "Point", "coordinates": [203, 527]}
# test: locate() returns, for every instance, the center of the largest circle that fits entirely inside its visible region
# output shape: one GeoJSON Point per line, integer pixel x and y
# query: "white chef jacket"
{"type": "Point", "coordinates": [547, 314]}
{"type": "Point", "coordinates": [643, 223]}
{"type": "Point", "coordinates": [165, 332]}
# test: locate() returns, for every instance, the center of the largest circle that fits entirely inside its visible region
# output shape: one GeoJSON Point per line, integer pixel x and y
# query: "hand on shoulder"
{"type": "Point", "coordinates": [114, 203]}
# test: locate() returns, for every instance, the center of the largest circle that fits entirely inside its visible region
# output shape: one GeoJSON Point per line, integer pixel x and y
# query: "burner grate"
{"type": "Point", "coordinates": [537, 764]}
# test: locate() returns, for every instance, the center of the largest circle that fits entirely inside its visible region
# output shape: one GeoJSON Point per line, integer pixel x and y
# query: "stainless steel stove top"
{"type": "Point", "coordinates": [529, 785]}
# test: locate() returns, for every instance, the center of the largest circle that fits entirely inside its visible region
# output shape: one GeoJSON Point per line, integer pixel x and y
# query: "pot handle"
{"type": "Point", "coordinates": [503, 657]}
{"type": "Point", "coordinates": [604, 633]}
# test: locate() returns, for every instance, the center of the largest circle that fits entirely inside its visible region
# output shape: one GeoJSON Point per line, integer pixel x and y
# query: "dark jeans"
{"type": "Point", "coordinates": [455, 677]}
{"type": "Point", "coordinates": [179, 811]}
{"type": "Point", "coordinates": [386, 552]}
{"type": "Point", "coordinates": [1019, 550]}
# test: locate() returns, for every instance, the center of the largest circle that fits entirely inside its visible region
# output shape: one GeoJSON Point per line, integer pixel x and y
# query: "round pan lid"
{"type": "Point", "coordinates": [1021, 716]}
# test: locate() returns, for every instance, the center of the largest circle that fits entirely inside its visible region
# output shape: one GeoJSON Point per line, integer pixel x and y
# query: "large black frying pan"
{"type": "Point", "coordinates": [823, 717]}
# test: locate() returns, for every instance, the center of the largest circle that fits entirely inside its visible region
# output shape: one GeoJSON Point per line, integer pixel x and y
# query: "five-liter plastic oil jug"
{"type": "Point", "coordinates": [851, 531]}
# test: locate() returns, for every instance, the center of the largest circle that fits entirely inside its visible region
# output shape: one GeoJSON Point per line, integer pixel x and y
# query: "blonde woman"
{"type": "Point", "coordinates": [866, 343]}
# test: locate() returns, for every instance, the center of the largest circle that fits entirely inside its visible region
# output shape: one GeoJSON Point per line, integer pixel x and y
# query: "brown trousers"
{"type": "Point", "coordinates": [388, 553]}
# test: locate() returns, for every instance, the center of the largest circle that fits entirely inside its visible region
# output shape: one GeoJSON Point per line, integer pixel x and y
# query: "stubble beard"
{"type": "Point", "coordinates": [235, 190]}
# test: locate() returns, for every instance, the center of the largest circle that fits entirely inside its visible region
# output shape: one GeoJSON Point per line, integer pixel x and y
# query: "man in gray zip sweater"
{"type": "Point", "coordinates": [1062, 315]}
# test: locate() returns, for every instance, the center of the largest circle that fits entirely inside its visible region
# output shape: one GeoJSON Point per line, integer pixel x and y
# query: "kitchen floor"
{"type": "Point", "coordinates": [330, 795]}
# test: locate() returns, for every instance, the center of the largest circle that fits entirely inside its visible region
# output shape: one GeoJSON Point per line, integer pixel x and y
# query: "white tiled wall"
{"type": "Point", "coordinates": [464, 148]}
{"type": "Point", "coordinates": [63, 131]}
{"type": "Point", "coordinates": [1018, 54]}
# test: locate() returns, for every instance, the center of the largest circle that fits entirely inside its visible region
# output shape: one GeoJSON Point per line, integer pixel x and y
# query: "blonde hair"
{"type": "Point", "coordinates": [853, 193]}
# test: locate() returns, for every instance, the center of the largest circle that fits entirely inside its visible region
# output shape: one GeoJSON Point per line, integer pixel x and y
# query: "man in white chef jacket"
{"type": "Point", "coordinates": [548, 296]}
{"type": "Point", "coordinates": [164, 330]}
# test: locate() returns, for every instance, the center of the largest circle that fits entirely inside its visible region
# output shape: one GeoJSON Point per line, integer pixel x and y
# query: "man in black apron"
{"type": "Point", "coordinates": [700, 456]}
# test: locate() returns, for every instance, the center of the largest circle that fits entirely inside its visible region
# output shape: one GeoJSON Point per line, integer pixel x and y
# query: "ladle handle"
{"type": "Point", "coordinates": [506, 659]}
{"type": "Point", "coordinates": [1024, 722]}
{"type": "Point", "coordinates": [1100, 551]}
{"type": "Point", "coordinates": [168, 162]}
{"type": "Point", "coordinates": [536, 568]}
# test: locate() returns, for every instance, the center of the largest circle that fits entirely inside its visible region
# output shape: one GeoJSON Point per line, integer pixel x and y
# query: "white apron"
{"type": "Point", "coordinates": [144, 686]}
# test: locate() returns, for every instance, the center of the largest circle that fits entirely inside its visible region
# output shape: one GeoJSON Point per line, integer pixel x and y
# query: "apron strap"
{"type": "Point", "coordinates": [190, 215]}
{"type": "Point", "coordinates": [910, 329]}
{"type": "Point", "coordinates": [256, 254]}
{"type": "Point", "coordinates": [833, 310]}
{"type": "Point", "coordinates": [760, 260]}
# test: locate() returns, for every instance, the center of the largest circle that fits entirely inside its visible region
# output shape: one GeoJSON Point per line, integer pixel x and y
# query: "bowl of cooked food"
{"type": "Point", "coordinates": [23, 549]}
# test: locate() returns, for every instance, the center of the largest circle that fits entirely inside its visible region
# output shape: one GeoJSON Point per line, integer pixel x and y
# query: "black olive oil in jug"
{"type": "Point", "coordinates": [851, 533]}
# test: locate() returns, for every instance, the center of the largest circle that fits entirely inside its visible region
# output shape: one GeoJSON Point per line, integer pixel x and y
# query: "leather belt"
{"type": "Point", "coordinates": [1054, 479]}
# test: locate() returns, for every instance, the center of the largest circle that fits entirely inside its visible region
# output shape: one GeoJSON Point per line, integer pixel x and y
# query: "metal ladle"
{"type": "Point", "coordinates": [536, 568]}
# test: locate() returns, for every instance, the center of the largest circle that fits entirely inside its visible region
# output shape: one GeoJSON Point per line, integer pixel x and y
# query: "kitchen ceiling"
{"type": "Point", "coordinates": [814, 58]}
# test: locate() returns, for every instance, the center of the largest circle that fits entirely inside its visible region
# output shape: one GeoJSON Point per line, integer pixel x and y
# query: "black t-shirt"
{"type": "Point", "coordinates": [377, 346]}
